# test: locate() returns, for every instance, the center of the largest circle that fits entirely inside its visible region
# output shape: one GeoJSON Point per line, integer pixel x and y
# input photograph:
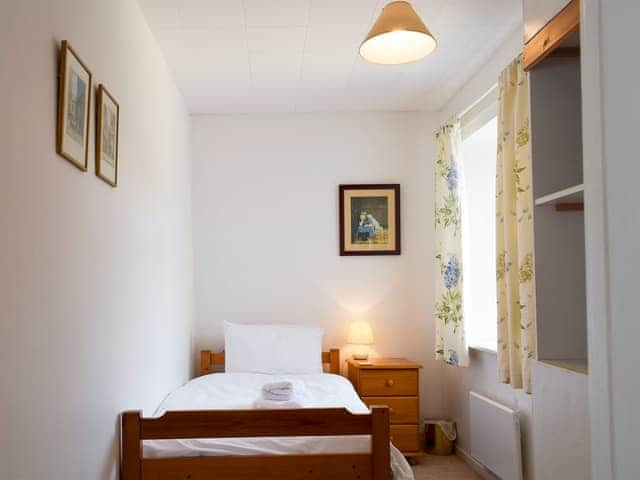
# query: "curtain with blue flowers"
{"type": "Point", "coordinates": [451, 343]}
{"type": "Point", "coordinates": [514, 232]}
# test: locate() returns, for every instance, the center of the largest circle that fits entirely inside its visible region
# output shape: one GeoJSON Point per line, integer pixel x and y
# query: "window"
{"type": "Point", "coordinates": [480, 134]}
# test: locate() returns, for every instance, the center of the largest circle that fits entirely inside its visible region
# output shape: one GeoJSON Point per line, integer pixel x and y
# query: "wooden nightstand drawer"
{"type": "Point", "coordinates": [392, 382]}
{"type": "Point", "coordinates": [401, 409]}
{"type": "Point", "coordinates": [405, 437]}
{"type": "Point", "coordinates": [388, 382]}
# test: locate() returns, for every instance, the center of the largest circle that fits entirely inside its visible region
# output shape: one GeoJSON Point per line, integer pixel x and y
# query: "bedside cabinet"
{"type": "Point", "coordinates": [392, 382]}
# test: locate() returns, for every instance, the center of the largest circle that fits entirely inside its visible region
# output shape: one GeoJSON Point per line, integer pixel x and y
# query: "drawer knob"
{"type": "Point", "coordinates": [389, 383]}
{"type": "Point", "coordinates": [390, 410]}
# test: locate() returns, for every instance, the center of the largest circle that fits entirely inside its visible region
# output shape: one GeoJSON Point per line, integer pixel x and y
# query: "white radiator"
{"type": "Point", "coordinates": [495, 437]}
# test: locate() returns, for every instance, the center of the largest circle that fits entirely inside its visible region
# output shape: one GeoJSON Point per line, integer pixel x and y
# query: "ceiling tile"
{"type": "Point", "coordinates": [220, 46]}
{"type": "Point", "coordinates": [322, 100]}
{"type": "Point", "coordinates": [367, 75]}
{"type": "Point", "coordinates": [379, 80]}
{"type": "Point", "coordinates": [430, 10]}
{"type": "Point", "coordinates": [276, 39]}
{"type": "Point", "coordinates": [212, 14]}
{"type": "Point", "coordinates": [329, 38]}
{"type": "Point", "coordinates": [277, 13]}
{"type": "Point", "coordinates": [329, 69]}
{"type": "Point", "coordinates": [275, 71]}
{"type": "Point", "coordinates": [329, 60]}
{"type": "Point", "coordinates": [213, 80]}
{"type": "Point", "coordinates": [357, 13]}
{"type": "Point", "coordinates": [325, 80]}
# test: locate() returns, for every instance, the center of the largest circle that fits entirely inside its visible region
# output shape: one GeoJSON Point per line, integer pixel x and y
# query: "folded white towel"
{"type": "Point", "coordinates": [277, 396]}
{"type": "Point", "coordinates": [273, 404]}
{"type": "Point", "coordinates": [281, 391]}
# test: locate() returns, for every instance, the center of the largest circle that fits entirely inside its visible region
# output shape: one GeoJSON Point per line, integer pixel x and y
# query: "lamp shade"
{"type": "Point", "coordinates": [398, 36]}
{"type": "Point", "coordinates": [360, 334]}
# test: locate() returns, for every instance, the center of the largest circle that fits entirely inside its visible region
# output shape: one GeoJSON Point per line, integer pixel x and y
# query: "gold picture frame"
{"type": "Point", "coordinates": [107, 128]}
{"type": "Point", "coordinates": [74, 105]}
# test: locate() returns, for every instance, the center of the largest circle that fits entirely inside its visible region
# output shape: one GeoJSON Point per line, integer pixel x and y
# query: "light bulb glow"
{"type": "Point", "coordinates": [399, 46]}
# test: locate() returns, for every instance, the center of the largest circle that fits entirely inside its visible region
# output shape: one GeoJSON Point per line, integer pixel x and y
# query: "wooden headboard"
{"type": "Point", "coordinates": [209, 360]}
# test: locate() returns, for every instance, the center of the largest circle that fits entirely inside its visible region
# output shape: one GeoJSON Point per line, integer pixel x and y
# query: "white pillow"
{"type": "Point", "coordinates": [272, 349]}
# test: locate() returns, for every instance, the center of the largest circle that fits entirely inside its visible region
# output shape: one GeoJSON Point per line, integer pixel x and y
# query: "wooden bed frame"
{"type": "Point", "coordinates": [375, 465]}
{"type": "Point", "coordinates": [210, 360]}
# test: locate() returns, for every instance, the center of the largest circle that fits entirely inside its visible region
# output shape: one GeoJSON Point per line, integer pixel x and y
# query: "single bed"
{"type": "Point", "coordinates": [209, 429]}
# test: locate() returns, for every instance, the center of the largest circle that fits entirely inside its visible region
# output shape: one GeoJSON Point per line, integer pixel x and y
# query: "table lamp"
{"type": "Point", "coordinates": [361, 336]}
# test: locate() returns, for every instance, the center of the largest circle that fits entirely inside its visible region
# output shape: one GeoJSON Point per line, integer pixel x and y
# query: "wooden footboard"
{"type": "Point", "coordinates": [256, 423]}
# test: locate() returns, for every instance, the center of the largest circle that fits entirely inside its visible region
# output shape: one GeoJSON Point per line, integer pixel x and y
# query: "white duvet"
{"type": "Point", "coordinates": [239, 391]}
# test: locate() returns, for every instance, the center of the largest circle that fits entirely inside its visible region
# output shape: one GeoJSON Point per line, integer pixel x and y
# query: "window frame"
{"type": "Point", "coordinates": [479, 113]}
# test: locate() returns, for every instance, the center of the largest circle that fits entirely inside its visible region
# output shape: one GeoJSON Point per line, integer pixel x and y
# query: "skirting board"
{"type": "Point", "coordinates": [475, 465]}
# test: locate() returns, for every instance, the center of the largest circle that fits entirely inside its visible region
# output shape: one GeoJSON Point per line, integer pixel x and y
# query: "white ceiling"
{"type": "Point", "coordinates": [302, 55]}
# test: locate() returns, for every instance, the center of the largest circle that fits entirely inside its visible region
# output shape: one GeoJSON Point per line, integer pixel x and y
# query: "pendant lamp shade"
{"type": "Point", "coordinates": [398, 36]}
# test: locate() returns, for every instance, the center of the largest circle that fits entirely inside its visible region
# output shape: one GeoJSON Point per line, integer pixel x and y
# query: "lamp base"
{"type": "Point", "coordinates": [360, 356]}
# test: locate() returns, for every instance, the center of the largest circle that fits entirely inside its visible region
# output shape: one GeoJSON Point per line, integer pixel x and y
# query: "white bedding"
{"type": "Point", "coordinates": [239, 391]}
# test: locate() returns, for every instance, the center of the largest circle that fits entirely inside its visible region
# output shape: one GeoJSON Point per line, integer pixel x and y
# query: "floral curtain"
{"type": "Point", "coordinates": [514, 232]}
{"type": "Point", "coordinates": [451, 343]}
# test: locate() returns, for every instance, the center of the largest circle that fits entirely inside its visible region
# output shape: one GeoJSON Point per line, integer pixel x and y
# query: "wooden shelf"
{"type": "Point", "coordinates": [578, 365]}
{"type": "Point", "coordinates": [571, 198]}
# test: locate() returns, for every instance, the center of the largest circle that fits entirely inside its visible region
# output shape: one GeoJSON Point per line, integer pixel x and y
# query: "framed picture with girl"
{"type": "Point", "coordinates": [369, 219]}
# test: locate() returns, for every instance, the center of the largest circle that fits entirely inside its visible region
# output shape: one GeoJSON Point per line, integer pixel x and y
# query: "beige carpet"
{"type": "Point", "coordinates": [451, 467]}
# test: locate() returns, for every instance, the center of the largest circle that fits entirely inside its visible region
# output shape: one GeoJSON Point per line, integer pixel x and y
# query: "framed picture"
{"type": "Point", "coordinates": [72, 140]}
{"type": "Point", "coordinates": [107, 123]}
{"type": "Point", "coordinates": [370, 219]}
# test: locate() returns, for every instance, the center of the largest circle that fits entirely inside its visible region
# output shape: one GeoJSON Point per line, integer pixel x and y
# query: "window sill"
{"type": "Point", "coordinates": [478, 348]}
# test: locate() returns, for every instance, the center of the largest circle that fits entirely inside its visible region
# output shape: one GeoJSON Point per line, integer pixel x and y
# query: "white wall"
{"type": "Point", "coordinates": [265, 205]}
{"type": "Point", "coordinates": [96, 283]}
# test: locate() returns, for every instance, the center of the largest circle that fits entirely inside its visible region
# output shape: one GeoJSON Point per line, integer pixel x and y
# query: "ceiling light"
{"type": "Point", "coordinates": [398, 36]}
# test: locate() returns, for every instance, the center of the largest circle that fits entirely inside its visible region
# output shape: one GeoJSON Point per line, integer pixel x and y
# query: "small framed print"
{"type": "Point", "coordinates": [74, 101]}
{"type": "Point", "coordinates": [107, 123]}
{"type": "Point", "coordinates": [370, 219]}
